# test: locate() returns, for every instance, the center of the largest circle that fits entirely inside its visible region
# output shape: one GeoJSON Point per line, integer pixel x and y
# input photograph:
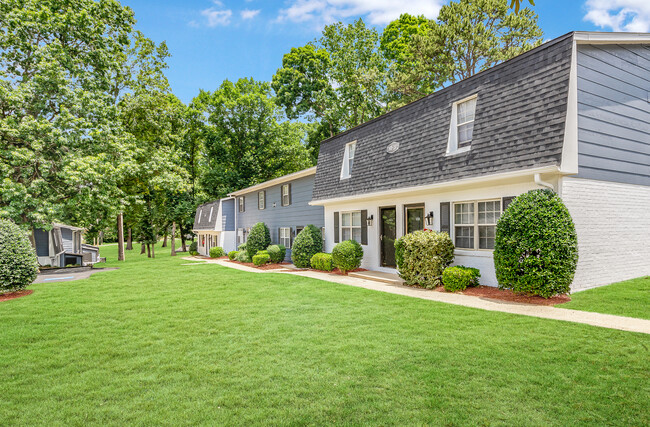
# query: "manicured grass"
{"type": "Point", "coordinates": [160, 343]}
{"type": "Point", "coordinates": [630, 298]}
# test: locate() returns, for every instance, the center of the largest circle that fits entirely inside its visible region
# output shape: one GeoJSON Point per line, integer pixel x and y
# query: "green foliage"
{"type": "Point", "coordinates": [18, 262]}
{"type": "Point", "coordinates": [242, 256]}
{"type": "Point", "coordinates": [216, 252]}
{"type": "Point", "coordinates": [277, 253]}
{"type": "Point", "coordinates": [468, 36]}
{"type": "Point", "coordinates": [242, 247]}
{"type": "Point", "coordinates": [194, 247]}
{"type": "Point", "coordinates": [258, 239]}
{"type": "Point", "coordinates": [322, 261]}
{"type": "Point", "coordinates": [232, 255]}
{"type": "Point", "coordinates": [347, 255]}
{"type": "Point", "coordinates": [307, 243]}
{"type": "Point", "coordinates": [459, 278]}
{"type": "Point", "coordinates": [536, 246]}
{"type": "Point", "coordinates": [422, 256]}
{"type": "Point", "coordinates": [261, 258]}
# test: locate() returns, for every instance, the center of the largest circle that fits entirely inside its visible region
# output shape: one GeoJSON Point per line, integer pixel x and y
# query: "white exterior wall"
{"type": "Point", "coordinates": [613, 225]}
{"type": "Point", "coordinates": [228, 240]}
{"type": "Point", "coordinates": [481, 259]}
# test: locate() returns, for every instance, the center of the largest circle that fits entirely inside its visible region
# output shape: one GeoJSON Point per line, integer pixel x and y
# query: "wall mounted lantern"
{"type": "Point", "coordinates": [369, 221]}
{"type": "Point", "coordinates": [428, 220]}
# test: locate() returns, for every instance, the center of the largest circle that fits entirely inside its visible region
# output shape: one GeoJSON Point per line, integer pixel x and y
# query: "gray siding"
{"type": "Point", "coordinates": [228, 214]}
{"type": "Point", "coordinates": [298, 214]}
{"type": "Point", "coordinates": [614, 113]}
{"type": "Point", "coordinates": [66, 234]}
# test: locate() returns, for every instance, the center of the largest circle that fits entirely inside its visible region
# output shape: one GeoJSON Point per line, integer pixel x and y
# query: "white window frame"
{"type": "Point", "coordinates": [348, 161]}
{"type": "Point", "coordinates": [210, 217]}
{"type": "Point", "coordinates": [350, 227]}
{"type": "Point", "coordinates": [261, 200]}
{"type": "Point", "coordinates": [285, 240]}
{"type": "Point", "coordinates": [476, 224]}
{"type": "Point", "coordinates": [287, 195]}
{"type": "Point", "coordinates": [452, 142]}
{"type": "Point", "coordinates": [242, 204]}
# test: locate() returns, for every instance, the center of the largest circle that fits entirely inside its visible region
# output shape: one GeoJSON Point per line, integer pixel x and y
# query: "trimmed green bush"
{"type": "Point", "coordinates": [261, 258]}
{"type": "Point", "coordinates": [306, 244]}
{"type": "Point", "coordinates": [242, 247]}
{"type": "Point", "coordinates": [242, 256]}
{"type": "Point", "coordinates": [536, 246]}
{"type": "Point", "coordinates": [422, 256]}
{"type": "Point", "coordinates": [216, 252]}
{"type": "Point", "coordinates": [194, 246]}
{"type": "Point", "coordinates": [258, 239]}
{"type": "Point", "coordinates": [277, 253]}
{"type": "Point", "coordinates": [459, 278]}
{"type": "Point", "coordinates": [232, 255]}
{"type": "Point", "coordinates": [347, 255]}
{"type": "Point", "coordinates": [18, 261]}
{"type": "Point", "coordinates": [322, 261]}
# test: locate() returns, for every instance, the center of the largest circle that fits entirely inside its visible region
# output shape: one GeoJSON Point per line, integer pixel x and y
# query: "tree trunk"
{"type": "Point", "coordinates": [173, 239]}
{"type": "Point", "coordinates": [142, 250]}
{"type": "Point", "coordinates": [153, 249]}
{"type": "Point", "coordinates": [101, 237]}
{"type": "Point", "coordinates": [129, 241]}
{"type": "Point", "coordinates": [120, 237]}
{"type": "Point", "coordinates": [183, 244]}
{"type": "Point", "coordinates": [164, 245]}
{"type": "Point", "coordinates": [148, 250]}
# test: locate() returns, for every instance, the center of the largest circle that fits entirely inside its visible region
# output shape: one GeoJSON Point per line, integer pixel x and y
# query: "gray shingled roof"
{"type": "Point", "coordinates": [202, 220]}
{"type": "Point", "coordinates": [519, 124]}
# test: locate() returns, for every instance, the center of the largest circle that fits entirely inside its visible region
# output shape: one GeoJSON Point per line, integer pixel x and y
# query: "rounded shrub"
{"type": "Point", "coordinates": [18, 261]}
{"type": "Point", "coordinates": [232, 255]}
{"type": "Point", "coordinates": [277, 253]}
{"type": "Point", "coordinates": [347, 255]}
{"type": "Point", "coordinates": [536, 246]}
{"type": "Point", "coordinates": [261, 258]}
{"type": "Point", "coordinates": [242, 256]}
{"type": "Point", "coordinates": [306, 244]}
{"type": "Point", "coordinates": [216, 252]}
{"type": "Point", "coordinates": [258, 239]}
{"type": "Point", "coordinates": [459, 278]}
{"type": "Point", "coordinates": [242, 247]}
{"type": "Point", "coordinates": [194, 246]}
{"type": "Point", "coordinates": [422, 256]}
{"type": "Point", "coordinates": [322, 261]}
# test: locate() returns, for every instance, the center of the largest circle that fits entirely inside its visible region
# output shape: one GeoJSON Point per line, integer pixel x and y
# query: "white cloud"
{"type": "Point", "coordinates": [249, 14]}
{"type": "Point", "coordinates": [619, 15]}
{"type": "Point", "coordinates": [217, 17]}
{"type": "Point", "coordinates": [377, 12]}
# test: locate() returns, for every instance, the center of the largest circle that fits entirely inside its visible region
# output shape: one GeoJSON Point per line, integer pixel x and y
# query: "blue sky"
{"type": "Point", "coordinates": [212, 40]}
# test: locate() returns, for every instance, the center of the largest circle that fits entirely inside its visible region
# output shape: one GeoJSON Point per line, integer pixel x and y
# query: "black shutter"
{"type": "Point", "coordinates": [445, 223]}
{"type": "Point", "coordinates": [289, 195]}
{"type": "Point", "coordinates": [277, 242]}
{"type": "Point", "coordinates": [364, 227]}
{"type": "Point", "coordinates": [264, 200]}
{"type": "Point", "coordinates": [336, 227]}
{"type": "Point", "coordinates": [505, 202]}
{"type": "Point", "coordinates": [292, 235]}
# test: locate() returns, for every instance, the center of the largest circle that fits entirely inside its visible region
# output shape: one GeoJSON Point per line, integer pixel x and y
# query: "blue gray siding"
{"type": "Point", "coordinates": [298, 214]}
{"type": "Point", "coordinates": [66, 234]}
{"type": "Point", "coordinates": [614, 113]}
{"type": "Point", "coordinates": [228, 214]}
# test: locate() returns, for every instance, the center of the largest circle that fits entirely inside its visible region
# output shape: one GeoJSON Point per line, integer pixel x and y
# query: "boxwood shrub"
{"type": "Point", "coordinates": [194, 246]}
{"type": "Point", "coordinates": [459, 278]}
{"type": "Point", "coordinates": [347, 255]}
{"type": "Point", "coordinates": [322, 261]}
{"type": "Point", "coordinates": [232, 255]}
{"type": "Point", "coordinates": [536, 247]}
{"type": "Point", "coordinates": [261, 258]}
{"type": "Point", "coordinates": [242, 256]}
{"type": "Point", "coordinates": [258, 239]}
{"type": "Point", "coordinates": [306, 244]}
{"type": "Point", "coordinates": [277, 253]}
{"type": "Point", "coordinates": [18, 261]}
{"type": "Point", "coordinates": [216, 252]}
{"type": "Point", "coordinates": [422, 256]}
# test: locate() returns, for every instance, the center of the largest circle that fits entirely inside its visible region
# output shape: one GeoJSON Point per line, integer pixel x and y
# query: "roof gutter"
{"type": "Point", "coordinates": [275, 181]}
{"type": "Point", "coordinates": [538, 181]}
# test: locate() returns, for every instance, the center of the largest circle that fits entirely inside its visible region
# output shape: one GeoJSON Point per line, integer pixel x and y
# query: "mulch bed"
{"type": "Point", "coordinates": [262, 267]}
{"type": "Point", "coordinates": [490, 292]}
{"type": "Point", "coordinates": [17, 294]}
{"type": "Point", "coordinates": [340, 273]}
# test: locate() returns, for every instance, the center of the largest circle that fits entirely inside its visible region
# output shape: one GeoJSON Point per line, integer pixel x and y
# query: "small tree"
{"type": "Point", "coordinates": [258, 239]}
{"type": "Point", "coordinates": [306, 244]}
{"type": "Point", "coordinates": [536, 246]}
{"type": "Point", "coordinates": [422, 256]}
{"type": "Point", "coordinates": [18, 262]}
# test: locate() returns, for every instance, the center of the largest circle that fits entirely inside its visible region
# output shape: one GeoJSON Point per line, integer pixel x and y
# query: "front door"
{"type": "Point", "coordinates": [387, 236]}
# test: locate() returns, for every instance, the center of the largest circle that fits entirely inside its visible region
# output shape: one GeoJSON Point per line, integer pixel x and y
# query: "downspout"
{"type": "Point", "coordinates": [538, 181]}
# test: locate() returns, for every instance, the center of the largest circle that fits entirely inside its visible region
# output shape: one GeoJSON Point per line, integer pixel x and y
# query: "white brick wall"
{"type": "Point", "coordinates": [613, 226]}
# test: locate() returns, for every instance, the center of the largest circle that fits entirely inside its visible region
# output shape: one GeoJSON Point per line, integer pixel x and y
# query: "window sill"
{"type": "Point", "coordinates": [345, 177]}
{"type": "Point", "coordinates": [481, 253]}
{"type": "Point", "coordinates": [458, 151]}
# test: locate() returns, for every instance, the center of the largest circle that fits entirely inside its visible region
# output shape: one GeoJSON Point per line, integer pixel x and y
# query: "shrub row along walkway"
{"type": "Point", "coordinates": [594, 319]}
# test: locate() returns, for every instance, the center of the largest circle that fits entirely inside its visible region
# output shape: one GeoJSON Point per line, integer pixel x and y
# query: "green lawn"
{"type": "Point", "coordinates": [157, 343]}
{"type": "Point", "coordinates": [630, 298]}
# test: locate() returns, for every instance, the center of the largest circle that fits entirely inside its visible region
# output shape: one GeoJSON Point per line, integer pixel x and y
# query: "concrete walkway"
{"type": "Point", "coordinates": [69, 277]}
{"type": "Point", "coordinates": [595, 319]}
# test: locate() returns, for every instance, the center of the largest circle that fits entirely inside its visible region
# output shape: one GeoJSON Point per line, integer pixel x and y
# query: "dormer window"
{"type": "Point", "coordinates": [461, 128]}
{"type": "Point", "coordinates": [348, 159]}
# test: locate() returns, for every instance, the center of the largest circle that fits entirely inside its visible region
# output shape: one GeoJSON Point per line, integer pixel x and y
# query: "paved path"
{"type": "Point", "coordinates": [595, 319]}
{"type": "Point", "coordinates": [68, 277]}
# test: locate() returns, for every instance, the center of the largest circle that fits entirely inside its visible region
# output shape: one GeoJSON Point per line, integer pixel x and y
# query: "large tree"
{"type": "Point", "coordinates": [246, 137]}
{"type": "Point", "coordinates": [468, 36]}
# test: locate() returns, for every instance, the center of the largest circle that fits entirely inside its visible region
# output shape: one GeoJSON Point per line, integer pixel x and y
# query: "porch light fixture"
{"type": "Point", "coordinates": [369, 221]}
{"type": "Point", "coordinates": [428, 220]}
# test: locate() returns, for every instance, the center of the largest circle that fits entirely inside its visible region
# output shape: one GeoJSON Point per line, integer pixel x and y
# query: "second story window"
{"type": "Point", "coordinates": [286, 194]}
{"type": "Point", "coordinates": [261, 200]}
{"type": "Point", "coordinates": [242, 204]}
{"type": "Point", "coordinates": [348, 159]}
{"type": "Point", "coordinates": [461, 127]}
